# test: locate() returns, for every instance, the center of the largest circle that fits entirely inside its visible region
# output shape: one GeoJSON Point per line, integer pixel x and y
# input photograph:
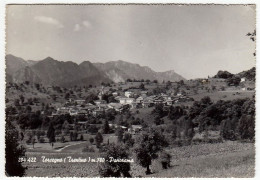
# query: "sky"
{"type": "Point", "coordinates": [193, 40]}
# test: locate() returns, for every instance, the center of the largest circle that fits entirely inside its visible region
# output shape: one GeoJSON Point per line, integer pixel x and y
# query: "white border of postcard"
{"type": "Point", "coordinates": [2, 62]}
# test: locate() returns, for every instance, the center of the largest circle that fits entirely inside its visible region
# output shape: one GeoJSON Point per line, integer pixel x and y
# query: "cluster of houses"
{"type": "Point", "coordinates": [80, 107]}
{"type": "Point", "coordinates": [144, 101]}
{"type": "Point", "coordinates": [133, 129]}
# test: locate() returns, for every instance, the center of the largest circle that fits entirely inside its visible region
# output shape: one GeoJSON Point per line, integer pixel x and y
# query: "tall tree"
{"type": "Point", "coordinates": [22, 98]}
{"type": "Point", "coordinates": [147, 147]}
{"type": "Point", "coordinates": [99, 139]}
{"type": "Point", "coordinates": [106, 128]}
{"type": "Point", "coordinates": [51, 134]}
{"type": "Point", "coordinates": [142, 87]}
{"type": "Point", "coordinates": [13, 151]}
{"type": "Point", "coordinates": [253, 38]}
{"type": "Point", "coordinates": [119, 134]}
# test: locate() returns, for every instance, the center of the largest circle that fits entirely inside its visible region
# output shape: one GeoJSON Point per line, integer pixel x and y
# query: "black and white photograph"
{"type": "Point", "coordinates": [130, 90]}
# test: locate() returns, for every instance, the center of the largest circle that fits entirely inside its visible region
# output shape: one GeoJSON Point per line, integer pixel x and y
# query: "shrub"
{"type": "Point", "coordinates": [92, 129]}
{"type": "Point", "coordinates": [165, 159]}
{"type": "Point", "coordinates": [114, 169]}
{"type": "Point", "coordinates": [29, 138]}
{"type": "Point", "coordinates": [128, 140]}
{"type": "Point", "coordinates": [57, 132]}
{"type": "Point", "coordinates": [41, 140]}
{"type": "Point", "coordinates": [246, 127]}
{"type": "Point", "coordinates": [158, 121]}
{"type": "Point", "coordinates": [91, 140]}
{"type": "Point", "coordinates": [88, 149]}
{"type": "Point", "coordinates": [81, 137]}
{"type": "Point", "coordinates": [62, 139]}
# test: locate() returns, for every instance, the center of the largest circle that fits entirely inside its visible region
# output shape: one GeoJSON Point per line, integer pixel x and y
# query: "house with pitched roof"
{"type": "Point", "coordinates": [135, 129]}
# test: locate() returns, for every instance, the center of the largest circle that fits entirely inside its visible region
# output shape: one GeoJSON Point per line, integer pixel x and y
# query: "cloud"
{"type": "Point", "coordinates": [84, 24]}
{"type": "Point", "coordinates": [87, 24]}
{"type": "Point", "coordinates": [49, 20]}
{"type": "Point", "coordinates": [77, 28]}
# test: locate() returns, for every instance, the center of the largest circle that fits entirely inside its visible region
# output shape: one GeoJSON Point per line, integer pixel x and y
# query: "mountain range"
{"type": "Point", "coordinates": [52, 72]}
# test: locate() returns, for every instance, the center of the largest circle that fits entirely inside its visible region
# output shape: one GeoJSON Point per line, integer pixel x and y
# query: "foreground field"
{"type": "Point", "coordinates": [237, 164]}
{"type": "Point", "coordinates": [228, 159]}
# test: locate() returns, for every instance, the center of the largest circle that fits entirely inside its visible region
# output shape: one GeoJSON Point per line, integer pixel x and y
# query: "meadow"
{"type": "Point", "coordinates": [227, 159]}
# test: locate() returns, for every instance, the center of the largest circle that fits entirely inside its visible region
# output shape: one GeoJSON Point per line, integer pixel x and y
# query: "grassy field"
{"type": "Point", "coordinates": [68, 146]}
{"type": "Point", "coordinates": [224, 95]}
{"type": "Point", "coordinates": [236, 164]}
{"type": "Point", "coordinates": [228, 159]}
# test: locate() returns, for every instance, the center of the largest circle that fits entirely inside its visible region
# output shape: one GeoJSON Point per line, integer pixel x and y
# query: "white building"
{"type": "Point", "coordinates": [115, 106]}
{"type": "Point", "coordinates": [179, 94]}
{"type": "Point", "coordinates": [80, 101]}
{"type": "Point", "coordinates": [115, 94]}
{"type": "Point", "coordinates": [128, 93]}
{"type": "Point", "coordinates": [134, 129]}
{"type": "Point", "coordinates": [125, 101]}
{"type": "Point", "coordinates": [73, 112]}
{"type": "Point", "coordinates": [140, 99]}
{"type": "Point", "coordinates": [98, 102]}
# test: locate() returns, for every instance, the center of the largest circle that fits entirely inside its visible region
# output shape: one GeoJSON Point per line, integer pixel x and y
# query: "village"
{"type": "Point", "coordinates": [138, 98]}
{"type": "Point", "coordinates": [127, 101]}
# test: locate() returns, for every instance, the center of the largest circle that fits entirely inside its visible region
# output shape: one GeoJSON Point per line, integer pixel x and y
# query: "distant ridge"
{"type": "Point", "coordinates": [122, 70]}
{"type": "Point", "coordinates": [53, 72]}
